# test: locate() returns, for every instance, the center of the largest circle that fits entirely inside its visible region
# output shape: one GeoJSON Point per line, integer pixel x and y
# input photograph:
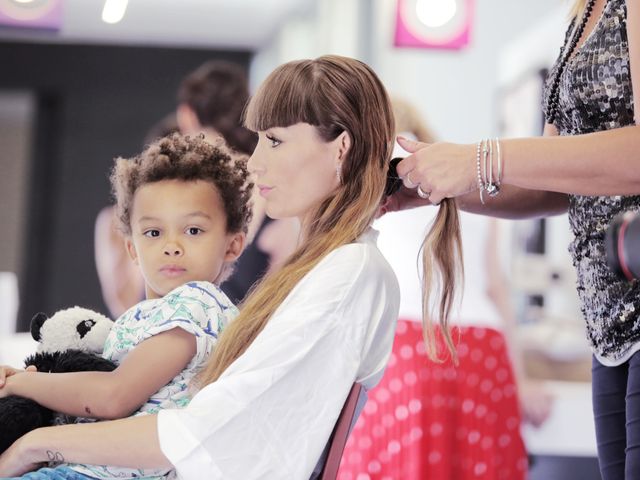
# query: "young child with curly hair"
{"type": "Point", "coordinates": [183, 205]}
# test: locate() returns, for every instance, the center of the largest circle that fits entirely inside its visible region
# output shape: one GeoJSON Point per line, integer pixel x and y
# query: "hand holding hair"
{"type": "Point", "coordinates": [440, 170]}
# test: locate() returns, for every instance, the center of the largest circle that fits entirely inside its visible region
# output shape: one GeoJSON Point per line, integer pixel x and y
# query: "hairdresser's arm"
{"type": "Point", "coordinates": [512, 202]}
{"type": "Point", "coordinates": [115, 394]}
{"type": "Point", "coordinates": [515, 202]}
{"type": "Point", "coordinates": [131, 442]}
{"type": "Point", "coordinates": [601, 163]}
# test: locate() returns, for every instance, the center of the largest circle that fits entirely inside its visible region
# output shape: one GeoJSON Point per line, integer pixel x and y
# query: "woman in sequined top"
{"type": "Point", "coordinates": [588, 164]}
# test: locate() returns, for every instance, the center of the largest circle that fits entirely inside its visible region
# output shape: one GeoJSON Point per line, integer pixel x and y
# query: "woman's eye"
{"type": "Point", "coordinates": [152, 233]}
{"type": "Point", "coordinates": [194, 231]}
{"type": "Point", "coordinates": [274, 141]}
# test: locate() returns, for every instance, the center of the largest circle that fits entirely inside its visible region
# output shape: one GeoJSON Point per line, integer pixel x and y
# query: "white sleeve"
{"type": "Point", "coordinates": [271, 412]}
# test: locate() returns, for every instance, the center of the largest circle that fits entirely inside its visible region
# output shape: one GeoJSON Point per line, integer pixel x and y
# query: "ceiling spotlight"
{"type": "Point", "coordinates": [114, 10]}
{"type": "Point", "coordinates": [23, 1]}
{"type": "Point", "coordinates": [436, 13]}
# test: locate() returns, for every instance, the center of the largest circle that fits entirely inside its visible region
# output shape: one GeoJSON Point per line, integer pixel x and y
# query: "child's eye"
{"type": "Point", "coordinates": [152, 233]}
{"type": "Point", "coordinates": [274, 141]}
{"type": "Point", "coordinates": [194, 231]}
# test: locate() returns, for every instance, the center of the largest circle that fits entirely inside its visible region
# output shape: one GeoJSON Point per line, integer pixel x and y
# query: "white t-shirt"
{"type": "Point", "coordinates": [402, 234]}
{"type": "Point", "coordinates": [270, 414]}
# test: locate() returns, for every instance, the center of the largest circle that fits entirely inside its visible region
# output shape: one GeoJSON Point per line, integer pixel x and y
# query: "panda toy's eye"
{"type": "Point", "coordinates": [85, 327]}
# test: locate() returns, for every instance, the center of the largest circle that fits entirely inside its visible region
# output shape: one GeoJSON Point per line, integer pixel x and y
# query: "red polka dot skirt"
{"type": "Point", "coordinates": [436, 421]}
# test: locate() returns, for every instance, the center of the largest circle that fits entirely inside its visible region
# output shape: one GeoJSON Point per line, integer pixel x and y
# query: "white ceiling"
{"type": "Point", "coordinates": [236, 24]}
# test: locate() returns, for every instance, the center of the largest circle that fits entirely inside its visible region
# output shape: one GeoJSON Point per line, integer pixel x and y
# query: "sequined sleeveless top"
{"type": "Point", "coordinates": [595, 94]}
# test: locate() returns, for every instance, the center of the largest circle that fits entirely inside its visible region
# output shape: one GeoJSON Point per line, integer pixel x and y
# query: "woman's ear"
{"type": "Point", "coordinates": [344, 145]}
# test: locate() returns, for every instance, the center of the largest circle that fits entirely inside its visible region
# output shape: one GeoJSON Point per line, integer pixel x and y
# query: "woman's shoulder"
{"type": "Point", "coordinates": [359, 261]}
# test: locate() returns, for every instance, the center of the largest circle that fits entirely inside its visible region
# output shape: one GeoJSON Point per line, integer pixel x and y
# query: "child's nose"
{"type": "Point", "coordinates": [173, 249]}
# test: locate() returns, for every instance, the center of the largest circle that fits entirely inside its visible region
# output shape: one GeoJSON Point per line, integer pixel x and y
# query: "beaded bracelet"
{"type": "Point", "coordinates": [480, 182]}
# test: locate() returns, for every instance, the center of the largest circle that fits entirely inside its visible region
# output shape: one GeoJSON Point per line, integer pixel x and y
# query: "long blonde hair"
{"type": "Point", "coordinates": [441, 250]}
{"type": "Point", "coordinates": [335, 94]}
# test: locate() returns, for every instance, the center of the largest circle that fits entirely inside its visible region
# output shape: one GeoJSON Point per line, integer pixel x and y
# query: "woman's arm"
{"type": "Point", "coordinates": [512, 203]}
{"type": "Point", "coordinates": [515, 203]}
{"type": "Point", "coordinates": [601, 163]}
{"type": "Point", "coordinates": [147, 368]}
{"type": "Point", "coordinates": [131, 442]}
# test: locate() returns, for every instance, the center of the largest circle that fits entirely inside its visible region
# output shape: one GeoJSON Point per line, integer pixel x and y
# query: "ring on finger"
{"type": "Point", "coordinates": [410, 183]}
{"type": "Point", "coordinates": [422, 194]}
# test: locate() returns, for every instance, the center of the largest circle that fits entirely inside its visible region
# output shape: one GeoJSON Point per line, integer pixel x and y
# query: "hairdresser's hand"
{"type": "Point", "coordinates": [403, 199]}
{"type": "Point", "coordinates": [441, 170]}
{"type": "Point", "coordinates": [19, 458]}
{"type": "Point", "coordinates": [7, 371]}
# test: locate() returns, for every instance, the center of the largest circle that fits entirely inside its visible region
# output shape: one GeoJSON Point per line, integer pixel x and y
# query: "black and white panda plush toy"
{"type": "Point", "coordinates": [69, 341]}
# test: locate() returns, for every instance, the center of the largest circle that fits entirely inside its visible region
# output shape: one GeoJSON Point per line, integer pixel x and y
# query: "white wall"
{"type": "Point", "coordinates": [457, 90]}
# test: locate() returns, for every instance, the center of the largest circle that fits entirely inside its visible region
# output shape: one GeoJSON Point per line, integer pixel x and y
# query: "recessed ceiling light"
{"type": "Point", "coordinates": [436, 13]}
{"type": "Point", "coordinates": [23, 1]}
{"type": "Point", "coordinates": [114, 10]}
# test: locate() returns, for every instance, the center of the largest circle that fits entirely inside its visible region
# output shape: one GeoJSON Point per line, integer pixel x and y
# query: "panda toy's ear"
{"type": "Point", "coordinates": [36, 324]}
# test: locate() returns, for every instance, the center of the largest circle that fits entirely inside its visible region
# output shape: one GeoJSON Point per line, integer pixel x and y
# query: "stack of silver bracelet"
{"type": "Point", "coordinates": [487, 182]}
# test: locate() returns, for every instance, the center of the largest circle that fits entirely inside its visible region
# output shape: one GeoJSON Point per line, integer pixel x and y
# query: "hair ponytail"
{"type": "Point", "coordinates": [442, 269]}
{"type": "Point", "coordinates": [442, 266]}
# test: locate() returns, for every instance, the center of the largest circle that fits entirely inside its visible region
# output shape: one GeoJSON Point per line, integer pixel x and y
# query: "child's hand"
{"type": "Point", "coordinates": [7, 371]}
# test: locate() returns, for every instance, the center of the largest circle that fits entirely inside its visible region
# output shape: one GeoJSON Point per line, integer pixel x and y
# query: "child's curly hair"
{"type": "Point", "coordinates": [179, 157]}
